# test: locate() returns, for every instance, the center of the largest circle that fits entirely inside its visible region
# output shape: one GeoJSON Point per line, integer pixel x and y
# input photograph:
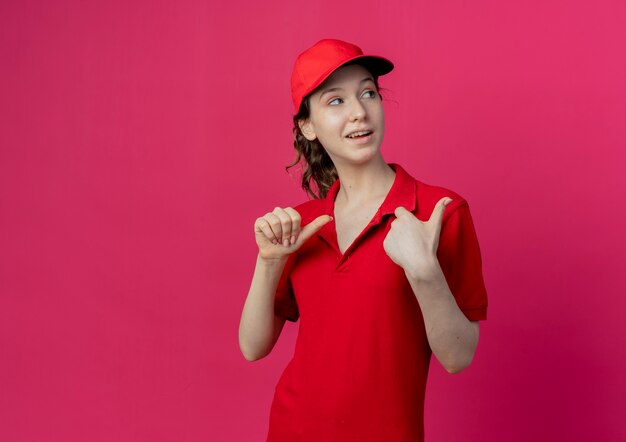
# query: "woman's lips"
{"type": "Point", "coordinates": [361, 140]}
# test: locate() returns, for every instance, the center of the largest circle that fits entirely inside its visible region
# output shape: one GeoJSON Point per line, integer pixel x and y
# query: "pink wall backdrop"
{"type": "Point", "coordinates": [140, 140]}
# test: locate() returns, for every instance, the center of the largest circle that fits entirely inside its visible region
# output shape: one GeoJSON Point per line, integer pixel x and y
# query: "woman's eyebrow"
{"type": "Point", "coordinates": [336, 88]}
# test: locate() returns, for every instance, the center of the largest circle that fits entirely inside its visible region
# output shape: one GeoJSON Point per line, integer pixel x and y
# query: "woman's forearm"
{"type": "Point", "coordinates": [259, 326]}
{"type": "Point", "coordinates": [452, 337]}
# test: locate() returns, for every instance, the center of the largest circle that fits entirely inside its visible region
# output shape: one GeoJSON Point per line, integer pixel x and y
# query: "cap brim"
{"type": "Point", "coordinates": [376, 64]}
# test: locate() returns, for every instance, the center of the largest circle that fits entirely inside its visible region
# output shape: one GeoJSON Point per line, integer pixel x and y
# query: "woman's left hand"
{"type": "Point", "coordinates": [412, 243]}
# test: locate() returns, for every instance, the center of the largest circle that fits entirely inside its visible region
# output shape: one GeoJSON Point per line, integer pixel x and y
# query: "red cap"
{"type": "Point", "coordinates": [317, 63]}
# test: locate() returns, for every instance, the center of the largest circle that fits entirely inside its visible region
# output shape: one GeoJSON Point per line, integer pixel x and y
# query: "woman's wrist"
{"type": "Point", "coordinates": [272, 262]}
{"type": "Point", "coordinates": [426, 274]}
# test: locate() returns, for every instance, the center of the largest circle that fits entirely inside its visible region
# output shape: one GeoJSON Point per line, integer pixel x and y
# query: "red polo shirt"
{"type": "Point", "coordinates": [361, 358]}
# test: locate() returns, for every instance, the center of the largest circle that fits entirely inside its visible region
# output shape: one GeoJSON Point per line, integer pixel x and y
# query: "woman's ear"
{"type": "Point", "coordinates": [307, 129]}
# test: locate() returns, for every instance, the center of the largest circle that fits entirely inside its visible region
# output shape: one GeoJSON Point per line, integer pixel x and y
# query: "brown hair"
{"type": "Point", "coordinates": [318, 169]}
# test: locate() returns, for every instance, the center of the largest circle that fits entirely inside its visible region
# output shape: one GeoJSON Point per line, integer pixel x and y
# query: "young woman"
{"type": "Point", "coordinates": [383, 269]}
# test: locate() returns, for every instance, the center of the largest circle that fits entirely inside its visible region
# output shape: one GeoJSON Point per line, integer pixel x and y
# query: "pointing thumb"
{"type": "Point", "coordinates": [313, 226]}
{"type": "Point", "coordinates": [437, 214]}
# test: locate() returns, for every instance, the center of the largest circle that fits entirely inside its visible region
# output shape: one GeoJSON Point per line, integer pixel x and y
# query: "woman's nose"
{"type": "Point", "coordinates": [357, 110]}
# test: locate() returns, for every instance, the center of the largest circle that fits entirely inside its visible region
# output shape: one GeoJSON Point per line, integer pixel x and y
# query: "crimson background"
{"type": "Point", "coordinates": [139, 141]}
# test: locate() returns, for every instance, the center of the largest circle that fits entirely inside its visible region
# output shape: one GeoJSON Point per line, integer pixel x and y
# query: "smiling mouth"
{"type": "Point", "coordinates": [362, 134]}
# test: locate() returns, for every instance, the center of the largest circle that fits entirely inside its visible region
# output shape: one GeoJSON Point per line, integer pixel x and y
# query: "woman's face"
{"type": "Point", "coordinates": [353, 104]}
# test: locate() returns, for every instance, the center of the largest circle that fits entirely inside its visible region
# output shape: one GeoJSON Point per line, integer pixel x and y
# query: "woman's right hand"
{"type": "Point", "coordinates": [278, 233]}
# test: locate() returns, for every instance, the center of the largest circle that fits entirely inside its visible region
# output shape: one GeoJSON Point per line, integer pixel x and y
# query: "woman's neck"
{"type": "Point", "coordinates": [363, 183]}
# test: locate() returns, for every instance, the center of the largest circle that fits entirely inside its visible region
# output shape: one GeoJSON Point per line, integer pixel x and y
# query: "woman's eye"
{"type": "Point", "coordinates": [368, 91]}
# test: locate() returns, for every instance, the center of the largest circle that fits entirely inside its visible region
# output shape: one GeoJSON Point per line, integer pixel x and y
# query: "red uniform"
{"type": "Point", "coordinates": [361, 359]}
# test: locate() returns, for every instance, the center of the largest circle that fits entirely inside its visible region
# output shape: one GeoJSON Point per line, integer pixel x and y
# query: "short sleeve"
{"type": "Point", "coordinates": [285, 304]}
{"type": "Point", "coordinates": [460, 259]}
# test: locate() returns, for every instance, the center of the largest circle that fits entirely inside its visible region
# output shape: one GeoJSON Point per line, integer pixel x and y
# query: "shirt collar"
{"type": "Point", "coordinates": [402, 193]}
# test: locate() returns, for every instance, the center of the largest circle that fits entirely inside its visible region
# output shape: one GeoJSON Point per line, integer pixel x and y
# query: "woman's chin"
{"type": "Point", "coordinates": [362, 156]}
